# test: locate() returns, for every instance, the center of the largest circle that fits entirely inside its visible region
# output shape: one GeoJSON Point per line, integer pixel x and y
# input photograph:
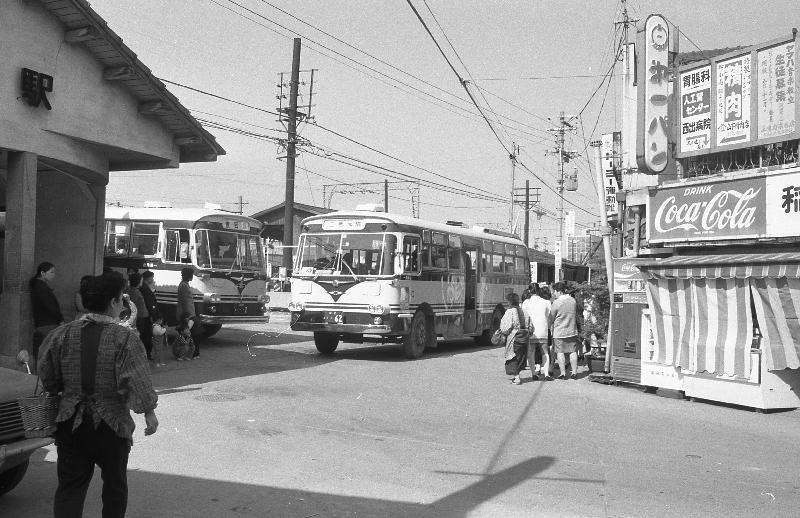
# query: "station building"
{"type": "Point", "coordinates": [75, 105]}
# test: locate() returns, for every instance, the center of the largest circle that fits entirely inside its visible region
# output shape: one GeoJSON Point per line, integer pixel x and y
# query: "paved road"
{"type": "Point", "coordinates": [288, 433]}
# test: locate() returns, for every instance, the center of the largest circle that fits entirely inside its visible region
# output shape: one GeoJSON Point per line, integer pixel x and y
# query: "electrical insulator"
{"type": "Point", "coordinates": [571, 181]}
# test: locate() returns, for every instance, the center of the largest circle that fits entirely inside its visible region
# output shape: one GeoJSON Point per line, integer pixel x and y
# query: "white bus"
{"type": "Point", "coordinates": [371, 276]}
{"type": "Point", "coordinates": [224, 250]}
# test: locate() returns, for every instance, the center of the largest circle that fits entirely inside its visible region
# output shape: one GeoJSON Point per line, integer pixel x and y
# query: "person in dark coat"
{"type": "Point", "coordinates": [46, 310]}
{"type": "Point", "coordinates": [185, 309]}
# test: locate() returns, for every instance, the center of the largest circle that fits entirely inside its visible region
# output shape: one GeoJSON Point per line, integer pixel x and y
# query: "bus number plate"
{"type": "Point", "coordinates": [240, 309]}
{"type": "Point", "coordinates": [334, 317]}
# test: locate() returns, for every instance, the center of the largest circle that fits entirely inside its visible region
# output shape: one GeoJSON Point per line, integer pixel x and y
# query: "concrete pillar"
{"type": "Point", "coordinates": [16, 321]}
{"type": "Point", "coordinates": [99, 193]}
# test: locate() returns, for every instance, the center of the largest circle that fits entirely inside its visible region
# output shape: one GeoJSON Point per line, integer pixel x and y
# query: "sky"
{"type": "Point", "coordinates": [385, 99]}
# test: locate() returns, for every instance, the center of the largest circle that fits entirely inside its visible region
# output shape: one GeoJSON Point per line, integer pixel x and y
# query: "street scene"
{"type": "Point", "coordinates": [287, 432]}
{"type": "Point", "coordinates": [290, 258]}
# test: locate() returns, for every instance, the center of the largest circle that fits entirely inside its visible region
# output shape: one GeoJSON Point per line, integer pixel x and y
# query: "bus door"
{"type": "Point", "coordinates": [472, 252]}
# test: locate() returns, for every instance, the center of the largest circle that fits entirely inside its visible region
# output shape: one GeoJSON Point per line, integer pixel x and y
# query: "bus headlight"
{"type": "Point", "coordinates": [264, 299]}
{"type": "Point", "coordinates": [211, 297]}
{"type": "Point", "coordinates": [296, 307]}
{"type": "Point", "coordinates": [377, 321]}
{"type": "Point", "coordinates": [377, 309]}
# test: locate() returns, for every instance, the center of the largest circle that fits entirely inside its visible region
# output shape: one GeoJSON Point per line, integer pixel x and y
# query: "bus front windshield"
{"type": "Point", "coordinates": [347, 254]}
{"type": "Point", "coordinates": [228, 250]}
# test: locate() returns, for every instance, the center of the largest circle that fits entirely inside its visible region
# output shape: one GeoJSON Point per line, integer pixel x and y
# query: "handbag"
{"type": "Point", "coordinates": [498, 337]}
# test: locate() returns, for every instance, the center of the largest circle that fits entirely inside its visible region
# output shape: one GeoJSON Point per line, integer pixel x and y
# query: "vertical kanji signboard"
{"type": "Point", "coordinates": [652, 152]}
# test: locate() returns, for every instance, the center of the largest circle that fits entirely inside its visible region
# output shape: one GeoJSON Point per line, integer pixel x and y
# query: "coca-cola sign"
{"type": "Point", "coordinates": [731, 209]}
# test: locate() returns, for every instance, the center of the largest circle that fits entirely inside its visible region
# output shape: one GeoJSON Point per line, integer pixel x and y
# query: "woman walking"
{"type": "Point", "coordinates": [100, 370]}
{"type": "Point", "coordinates": [565, 332]}
{"type": "Point", "coordinates": [516, 326]}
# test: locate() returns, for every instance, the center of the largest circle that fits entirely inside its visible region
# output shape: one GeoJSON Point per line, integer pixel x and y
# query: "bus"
{"type": "Point", "coordinates": [363, 276]}
{"type": "Point", "coordinates": [224, 250]}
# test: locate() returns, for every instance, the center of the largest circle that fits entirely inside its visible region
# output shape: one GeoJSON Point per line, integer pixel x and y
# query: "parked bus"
{"type": "Point", "coordinates": [223, 249]}
{"type": "Point", "coordinates": [371, 276]}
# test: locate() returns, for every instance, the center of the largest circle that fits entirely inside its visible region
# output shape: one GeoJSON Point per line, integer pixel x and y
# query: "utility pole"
{"type": "Point", "coordinates": [291, 142]}
{"type": "Point", "coordinates": [385, 195]}
{"type": "Point", "coordinates": [527, 211]}
{"type": "Point", "coordinates": [242, 203]}
{"type": "Point", "coordinates": [563, 155]}
{"type": "Point", "coordinates": [513, 158]}
{"type": "Point", "coordinates": [605, 231]}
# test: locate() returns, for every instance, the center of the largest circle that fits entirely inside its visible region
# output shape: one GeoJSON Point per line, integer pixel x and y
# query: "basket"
{"type": "Point", "coordinates": [39, 413]}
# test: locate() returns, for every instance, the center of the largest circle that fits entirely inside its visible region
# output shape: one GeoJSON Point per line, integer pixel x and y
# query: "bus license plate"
{"type": "Point", "coordinates": [334, 317]}
{"type": "Point", "coordinates": [240, 309]}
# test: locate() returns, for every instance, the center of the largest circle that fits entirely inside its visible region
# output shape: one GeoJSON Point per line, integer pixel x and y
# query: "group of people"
{"type": "Point", "coordinates": [537, 325]}
{"type": "Point", "coordinates": [140, 312]}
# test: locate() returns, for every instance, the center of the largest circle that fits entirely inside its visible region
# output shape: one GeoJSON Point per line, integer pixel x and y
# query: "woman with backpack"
{"type": "Point", "coordinates": [516, 326]}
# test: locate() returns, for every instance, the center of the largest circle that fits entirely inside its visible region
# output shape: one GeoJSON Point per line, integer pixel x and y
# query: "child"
{"type": "Point", "coordinates": [158, 341]}
{"type": "Point", "coordinates": [183, 345]}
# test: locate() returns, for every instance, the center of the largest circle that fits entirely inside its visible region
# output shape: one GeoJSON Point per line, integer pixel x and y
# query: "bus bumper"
{"type": "Point", "coordinates": [226, 319]}
{"type": "Point", "coordinates": [356, 329]}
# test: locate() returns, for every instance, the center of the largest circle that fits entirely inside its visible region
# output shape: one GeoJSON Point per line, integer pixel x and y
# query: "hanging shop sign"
{"type": "Point", "coordinates": [764, 206]}
{"type": "Point", "coordinates": [776, 91]}
{"type": "Point", "coordinates": [627, 277]}
{"type": "Point", "coordinates": [652, 148]}
{"type": "Point", "coordinates": [752, 96]}
{"type": "Point", "coordinates": [695, 112]}
{"type": "Point", "coordinates": [611, 151]}
{"type": "Point", "coordinates": [733, 101]}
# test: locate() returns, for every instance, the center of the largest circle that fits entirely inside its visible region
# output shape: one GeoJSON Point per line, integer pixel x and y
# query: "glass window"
{"type": "Point", "coordinates": [177, 246]}
{"type": "Point", "coordinates": [117, 240]}
{"type": "Point", "coordinates": [522, 251]}
{"type": "Point", "coordinates": [426, 256]}
{"type": "Point", "coordinates": [454, 241]}
{"type": "Point", "coordinates": [426, 236]}
{"type": "Point", "coordinates": [510, 250]}
{"type": "Point", "coordinates": [509, 262]}
{"type": "Point", "coordinates": [438, 256]}
{"type": "Point", "coordinates": [410, 254]}
{"type": "Point", "coordinates": [497, 263]}
{"type": "Point", "coordinates": [455, 258]}
{"type": "Point", "coordinates": [485, 260]}
{"type": "Point", "coordinates": [144, 238]}
{"type": "Point", "coordinates": [348, 254]}
{"type": "Point", "coordinates": [319, 251]}
{"type": "Point", "coordinates": [498, 248]}
{"type": "Point", "coordinates": [520, 264]}
{"type": "Point", "coordinates": [439, 238]}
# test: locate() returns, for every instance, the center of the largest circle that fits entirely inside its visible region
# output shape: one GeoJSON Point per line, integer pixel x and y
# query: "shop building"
{"type": "Point", "coordinates": [76, 106]}
{"type": "Point", "coordinates": [718, 224]}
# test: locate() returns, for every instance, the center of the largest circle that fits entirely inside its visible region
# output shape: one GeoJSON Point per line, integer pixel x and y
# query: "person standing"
{"type": "Point", "coordinates": [565, 332]}
{"type": "Point", "coordinates": [185, 309]}
{"type": "Point", "coordinates": [143, 323]}
{"type": "Point", "coordinates": [100, 370]}
{"type": "Point", "coordinates": [46, 309]}
{"type": "Point", "coordinates": [539, 310]}
{"type": "Point", "coordinates": [516, 326]}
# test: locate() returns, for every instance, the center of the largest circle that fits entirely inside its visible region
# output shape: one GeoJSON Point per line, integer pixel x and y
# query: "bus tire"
{"type": "Point", "coordinates": [326, 342]}
{"type": "Point", "coordinates": [485, 339]}
{"type": "Point", "coordinates": [210, 330]}
{"type": "Point", "coordinates": [419, 337]}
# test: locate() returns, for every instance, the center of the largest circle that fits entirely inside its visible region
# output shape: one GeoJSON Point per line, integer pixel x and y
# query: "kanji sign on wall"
{"type": "Point", "coordinates": [776, 91]}
{"type": "Point", "coordinates": [733, 101]}
{"type": "Point", "coordinates": [695, 109]}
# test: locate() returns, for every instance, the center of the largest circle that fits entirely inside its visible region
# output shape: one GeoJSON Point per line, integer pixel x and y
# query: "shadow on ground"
{"type": "Point", "coordinates": [156, 494]}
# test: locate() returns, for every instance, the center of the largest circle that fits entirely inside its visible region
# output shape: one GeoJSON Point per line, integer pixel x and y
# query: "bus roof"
{"type": "Point", "coordinates": [170, 214]}
{"type": "Point", "coordinates": [476, 232]}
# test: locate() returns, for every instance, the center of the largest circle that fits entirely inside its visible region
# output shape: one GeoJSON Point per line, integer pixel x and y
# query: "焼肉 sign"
{"type": "Point", "coordinates": [726, 209]}
{"type": "Point", "coordinates": [733, 101]}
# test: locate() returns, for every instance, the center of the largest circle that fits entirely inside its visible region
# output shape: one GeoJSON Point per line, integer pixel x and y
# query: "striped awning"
{"type": "Point", "coordinates": [777, 305]}
{"type": "Point", "coordinates": [724, 266]}
{"type": "Point", "coordinates": [702, 324]}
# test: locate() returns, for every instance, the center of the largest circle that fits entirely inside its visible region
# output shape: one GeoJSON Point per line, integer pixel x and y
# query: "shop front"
{"type": "Point", "coordinates": [725, 307]}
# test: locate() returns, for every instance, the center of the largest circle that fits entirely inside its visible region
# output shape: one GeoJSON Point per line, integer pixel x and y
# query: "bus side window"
{"type": "Point", "coordinates": [497, 263]}
{"type": "Point", "coordinates": [426, 256]}
{"type": "Point", "coordinates": [184, 255]}
{"type": "Point", "coordinates": [173, 246]}
{"type": "Point", "coordinates": [411, 254]}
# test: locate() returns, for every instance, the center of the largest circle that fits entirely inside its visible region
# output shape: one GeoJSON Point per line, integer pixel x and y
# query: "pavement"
{"type": "Point", "coordinates": [278, 430]}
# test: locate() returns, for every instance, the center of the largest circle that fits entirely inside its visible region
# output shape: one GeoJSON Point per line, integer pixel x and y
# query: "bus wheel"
{"type": "Point", "coordinates": [419, 338]}
{"type": "Point", "coordinates": [210, 330]}
{"type": "Point", "coordinates": [326, 342]}
{"type": "Point", "coordinates": [485, 339]}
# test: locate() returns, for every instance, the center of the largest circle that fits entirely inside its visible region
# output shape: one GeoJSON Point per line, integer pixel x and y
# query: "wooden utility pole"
{"type": "Point", "coordinates": [527, 212]}
{"type": "Point", "coordinates": [605, 231]}
{"type": "Point", "coordinates": [291, 142]}
{"type": "Point", "coordinates": [385, 195]}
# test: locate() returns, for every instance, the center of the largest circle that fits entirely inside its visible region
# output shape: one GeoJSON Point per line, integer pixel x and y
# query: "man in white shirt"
{"type": "Point", "coordinates": [539, 310]}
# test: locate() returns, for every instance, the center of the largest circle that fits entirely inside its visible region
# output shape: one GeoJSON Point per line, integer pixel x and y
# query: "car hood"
{"type": "Point", "coordinates": [14, 384]}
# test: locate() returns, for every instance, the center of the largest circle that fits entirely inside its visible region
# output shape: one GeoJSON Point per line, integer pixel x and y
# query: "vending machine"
{"type": "Point", "coordinates": [629, 301]}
